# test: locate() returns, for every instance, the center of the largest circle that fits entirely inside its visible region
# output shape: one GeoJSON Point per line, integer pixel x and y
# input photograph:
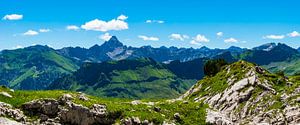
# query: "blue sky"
{"type": "Point", "coordinates": [181, 23]}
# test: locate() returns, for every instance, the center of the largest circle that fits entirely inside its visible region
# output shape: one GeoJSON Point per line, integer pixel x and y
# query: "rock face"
{"type": "Point", "coordinates": [61, 111]}
{"type": "Point", "coordinates": [77, 114]}
{"type": "Point", "coordinates": [6, 121]}
{"type": "Point", "coordinates": [9, 111]}
{"type": "Point", "coordinates": [249, 97]}
{"type": "Point", "coordinates": [67, 112]}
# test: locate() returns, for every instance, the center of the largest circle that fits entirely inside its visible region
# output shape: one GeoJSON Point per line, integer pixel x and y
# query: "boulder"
{"type": "Point", "coordinates": [177, 116]}
{"type": "Point", "coordinates": [83, 97]}
{"type": "Point", "coordinates": [6, 94]}
{"type": "Point", "coordinates": [8, 111]}
{"type": "Point", "coordinates": [66, 98]}
{"type": "Point", "coordinates": [49, 107]}
{"type": "Point", "coordinates": [217, 118]}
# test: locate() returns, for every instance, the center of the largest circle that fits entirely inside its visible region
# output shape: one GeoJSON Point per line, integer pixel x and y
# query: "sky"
{"type": "Point", "coordinates": [180, 23]}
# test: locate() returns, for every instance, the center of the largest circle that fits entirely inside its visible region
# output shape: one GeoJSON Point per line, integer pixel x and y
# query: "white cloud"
{"type": "Point", "coordinates": [199, 39]}
{"type": "Point", "coordinates": [18, 47]}
{"type": "Point", "coordinates": [105, 36]}
{"type": "Point", "coordinates": [122, 17]}
{"type": "Point", "coordinates": [100, 25]}
{"type": "Point", "coordinates": [148, 21]}
{"type": "Point", "coordinates": [176, 36]}
{"type": "Point", "coordinates": [72, 27]}
{"type": "Point", "coordinates": [220, 34]}
{"type": "Point", "coordinates": [148, 38]}
{"type": "Point", "coordinates": [294, 34]}
{"type": "Point", "coordinates": [155, 21]}
{"type": "Point", "coordinates": [231, 40]}
{"type": "Point", "coordinates": [195, 43]}
{"type": "Point", "coordinates": [13, 17]}
{"type": "Point", "coordinates": [274, 37]}
{"type": "Point", "coordinates": [30, 33]}
{"type": "Point", "coordinates": [44, 30]}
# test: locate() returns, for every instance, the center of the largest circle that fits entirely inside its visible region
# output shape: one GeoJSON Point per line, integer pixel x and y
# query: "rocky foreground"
{"type": "Point", "coordinates": [241, 93]}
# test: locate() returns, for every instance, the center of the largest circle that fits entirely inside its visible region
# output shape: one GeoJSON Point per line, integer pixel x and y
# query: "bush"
{"type": "Point", "coordinates": [212, 67]}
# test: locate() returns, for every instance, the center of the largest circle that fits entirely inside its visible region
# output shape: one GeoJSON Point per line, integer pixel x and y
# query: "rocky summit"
{"type": "Point", "coordinates": [243, 93]}
{"type": "Point", "coordinates": [240, 93]}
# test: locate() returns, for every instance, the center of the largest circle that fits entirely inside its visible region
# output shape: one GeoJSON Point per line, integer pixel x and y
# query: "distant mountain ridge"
{"type": "Point", "coordinates": [113, 49]}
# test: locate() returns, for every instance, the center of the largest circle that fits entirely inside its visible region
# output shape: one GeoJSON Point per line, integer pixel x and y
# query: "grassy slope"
{"type": "Point", "coordinates": [191, 113]}
{"type": "Point", "coordinates": [290, 67]}
{"type": "Point", "coordinates": [141, 78]}
{"type": "Point", "coordinates": [32, 63]}
{"type": "Point", "coordinates": [218, 83]}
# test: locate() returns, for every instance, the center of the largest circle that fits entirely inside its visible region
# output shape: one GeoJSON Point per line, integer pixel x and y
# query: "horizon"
{"type": "Point", "coordinates": [144, 46]}
{"type": "Point", "coordinates": [214, 24]}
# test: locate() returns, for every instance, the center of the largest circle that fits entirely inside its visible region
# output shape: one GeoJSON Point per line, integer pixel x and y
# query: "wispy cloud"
{"type": "Point", "coordinates": [274, 37]}
{"type": "Point", "coordinates": [18, 47]}
{"type": "Point", "coordinates": [294, 34]}
{"type": "Point", "coordinates": [180, 37]}
{"type": "Point", "coordinates": [231, 40]}
{"type": "Point", "coordinates": [72, 27]}
{"type": "Point", "coordinates": [44, 30]}
{"type": "Point", "coordinates": [148, 38]}
{"type": "Point", "coordinates": [105, 36]}
{"type": "Point", "coordinates": [155, 21]}
{"type": "Point", "coordinates": [100, 25]}
{"type": "Point", "coordinates": [13, 17]}
{"type": "Point", "coordinates": [122, 17]}
{"type": "Point", "coordinates": [219, 34]}
{"type": "Point", "coordinates": [30, 33]}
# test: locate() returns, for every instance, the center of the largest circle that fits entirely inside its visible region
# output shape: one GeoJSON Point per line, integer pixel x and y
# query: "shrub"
{"type": "Point", "coordinates": [212, 67]}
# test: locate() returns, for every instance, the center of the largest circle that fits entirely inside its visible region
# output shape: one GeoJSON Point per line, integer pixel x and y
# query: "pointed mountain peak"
{"type": "Point", "coordinates": [113, 38]}
{"type": "Point", "coordinates": [204, 48]}
{"type": "Point", "coordinates": [113, 42]}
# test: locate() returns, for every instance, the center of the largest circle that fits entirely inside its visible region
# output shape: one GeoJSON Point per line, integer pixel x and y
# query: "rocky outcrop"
{"type": "Point", "coordinates": [78, 114]}
{"type": "Point", "coordinates": [63, 111]}
{"type": "Point", "coordinates": [6, 121]}
{"type": "Point", "coordinates": [8, 111]}
{"type": "Point", "coordinates": [217, 118]}
{"type": "Point", "coordinates": [6, 94]}
{"type": "Point", "coordinates": [249, 98]}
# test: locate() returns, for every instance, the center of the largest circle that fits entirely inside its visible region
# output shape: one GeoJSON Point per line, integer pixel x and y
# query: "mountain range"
{"type": "Point", "coordinates": [40, 67]}
{"type": "Point", "coordinates": [240, 93]}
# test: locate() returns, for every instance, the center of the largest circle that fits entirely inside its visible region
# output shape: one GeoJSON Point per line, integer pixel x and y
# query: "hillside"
{"type": "Point", "coordinates": [268, 53]}
{"type": "Point", "coordinates": [243, 93]}
{"type": "Point", "coordinates": [289, 67]}
{"type": "Point", "coordinates": [63, 107]}
{"type": "Point", "coordinates": [33, 67]}
{"type": "Point", "coordinates": [136, 78]}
